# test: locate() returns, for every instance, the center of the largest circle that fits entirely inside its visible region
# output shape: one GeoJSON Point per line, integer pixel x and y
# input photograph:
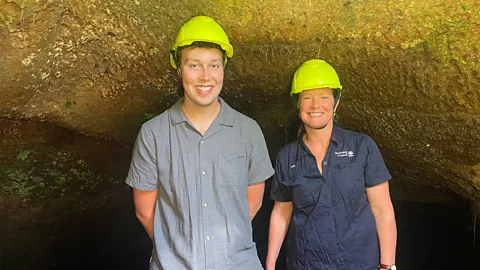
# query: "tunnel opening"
{"type": "Point", "coordinates": [64, 205]}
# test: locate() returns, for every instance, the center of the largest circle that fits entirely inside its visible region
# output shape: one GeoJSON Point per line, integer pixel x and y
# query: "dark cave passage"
{"type": "Point", "coordinates": [53, 216]}
{"type": "Point", "coordinates": [429, 236]}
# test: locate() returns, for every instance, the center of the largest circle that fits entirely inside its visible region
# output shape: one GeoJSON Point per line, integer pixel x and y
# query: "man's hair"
{"type": "Point", "coordinates": [177, 55]}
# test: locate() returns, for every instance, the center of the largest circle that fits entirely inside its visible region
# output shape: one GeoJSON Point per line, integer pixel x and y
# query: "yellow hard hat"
{"type": "Point", "coordinates": [312, 74]}
{"type": "Point", "coordinates": [201, 28]}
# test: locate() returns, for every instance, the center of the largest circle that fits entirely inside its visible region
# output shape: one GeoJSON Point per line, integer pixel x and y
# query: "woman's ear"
{"type": "Point", "coordinates": [335, 105]}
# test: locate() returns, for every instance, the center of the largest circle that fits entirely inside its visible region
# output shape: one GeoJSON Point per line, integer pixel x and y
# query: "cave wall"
{"type": "Point", "coordinates": [409, 68]}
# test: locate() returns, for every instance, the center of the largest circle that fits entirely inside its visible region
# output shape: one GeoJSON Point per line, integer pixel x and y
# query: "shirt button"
{"type": "Point", "coordinates": [205, 205]}
{"type": "Point", "coordinates": [202, 141]}
{"type": "Point", "coordinates": [330, 231]}
{"type": "Point", "coordinates": [204, 172]}
{"type": "Point", "coordinates": [327, 214]}
{"type": "Point", "coordinates": [208, 238]}
{"type": "Point", "coordinates": [324, 163]}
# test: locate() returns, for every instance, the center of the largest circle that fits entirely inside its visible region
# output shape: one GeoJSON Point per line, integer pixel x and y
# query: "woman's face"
{"type": "Point", "coordinates": [316, 108]}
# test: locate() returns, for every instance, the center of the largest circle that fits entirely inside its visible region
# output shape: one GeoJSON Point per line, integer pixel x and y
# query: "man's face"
{"type": "Point", "coordinates": [316, 108]}
{"type": "Point", "coordinates": [202, 75]}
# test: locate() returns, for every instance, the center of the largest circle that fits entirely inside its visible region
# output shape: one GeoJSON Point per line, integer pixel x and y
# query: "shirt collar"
{"type": "Point", "coordinates": [224, 117]}
{"type": "Point", "coordinates": [336, 139]}
{"type": "Point", "coordinates": [337, 135]}
{"type": "Point", "coordinates": [302, 148]}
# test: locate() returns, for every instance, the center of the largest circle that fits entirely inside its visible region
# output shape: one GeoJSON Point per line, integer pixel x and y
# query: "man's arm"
{"type": "Point", "coordinates": [382, 209]}
{"type": "Point", "coordinates": [145, 208]}
{"type": "Point", "coordinates": [279, 222]}
{"type": "Point", "coordinates": [255, 198]}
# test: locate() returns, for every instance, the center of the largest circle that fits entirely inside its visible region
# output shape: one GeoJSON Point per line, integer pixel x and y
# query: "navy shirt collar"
{"type": "Point", "coordinates": [336, 139]}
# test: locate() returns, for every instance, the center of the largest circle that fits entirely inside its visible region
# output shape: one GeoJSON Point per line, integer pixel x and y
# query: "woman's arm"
{"type": "Point", "coordinates": [279, 222]}
{"type": "Point", "coordinates": [382, 209]}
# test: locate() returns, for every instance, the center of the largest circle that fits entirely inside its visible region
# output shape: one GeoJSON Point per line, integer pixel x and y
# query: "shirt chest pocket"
{"type": "Point", "coordinates": [303, 190]}
{"type": "Point", "coordinates": [231, 170]}
{"type": "Point", "coordinates": [351, 178]}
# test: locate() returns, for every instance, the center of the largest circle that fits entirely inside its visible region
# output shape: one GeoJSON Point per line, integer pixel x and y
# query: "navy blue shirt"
{"type": "Point", "coordinates": [332, 226]}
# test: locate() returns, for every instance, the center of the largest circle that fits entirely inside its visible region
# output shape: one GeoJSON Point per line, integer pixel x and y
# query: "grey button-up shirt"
{"type": "Point", "coordinates": [202, 218]}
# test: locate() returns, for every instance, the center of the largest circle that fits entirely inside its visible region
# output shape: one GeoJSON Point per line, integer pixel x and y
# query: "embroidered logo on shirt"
{"type": "Point", "coordinates": [344, 154]}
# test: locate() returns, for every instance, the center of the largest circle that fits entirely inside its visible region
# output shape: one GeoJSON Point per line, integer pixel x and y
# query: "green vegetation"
{"type": "Point", "coordinates": [148, 116]}
{"type": "Point", "coordinates": [69, 103]}
{"type": "Point", "coordinates": [24, 154]}
{"type": "Point", "coordinates": [44, 172]}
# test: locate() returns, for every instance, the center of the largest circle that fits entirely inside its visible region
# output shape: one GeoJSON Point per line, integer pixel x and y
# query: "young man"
{"type": "Point", "coordinates": [198, 169]}
{"type": "Point", "coordinates": [330, 187]}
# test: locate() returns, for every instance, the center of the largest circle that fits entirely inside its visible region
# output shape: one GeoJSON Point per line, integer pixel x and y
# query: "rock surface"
{"type": "Point", "coordinates": [410, 70]}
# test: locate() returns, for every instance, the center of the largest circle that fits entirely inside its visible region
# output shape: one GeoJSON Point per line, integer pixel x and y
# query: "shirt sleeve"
{"type": "Point", "coordinates": [376, 171]}
{"type": "Point", "coordinates": [143, 174]}
{"type": "Point", "coordinates": [279, 192]}
{"type": "Point", "coordinates": [259, 165]}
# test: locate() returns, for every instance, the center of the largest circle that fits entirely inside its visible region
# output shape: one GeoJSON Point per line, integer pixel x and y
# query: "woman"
{"type": "Point", "coordinates": [330, 187]}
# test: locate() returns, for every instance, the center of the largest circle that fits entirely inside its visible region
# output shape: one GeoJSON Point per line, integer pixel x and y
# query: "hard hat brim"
{"type": "Point", "coordinates": [226, 47]}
